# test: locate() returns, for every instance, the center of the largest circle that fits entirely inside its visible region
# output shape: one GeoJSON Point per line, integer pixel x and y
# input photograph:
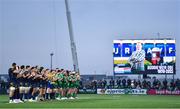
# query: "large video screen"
{"type": "Point", "coordinates": [144, 56]}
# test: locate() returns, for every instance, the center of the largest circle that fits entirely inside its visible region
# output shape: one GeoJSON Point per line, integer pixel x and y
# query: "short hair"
{"type": "Point", "coordinates": [14, 64]}
{"type": "Point", "coordinates": [40, 69]}
{"type": "Point", "coordinates": [27, 66]}
{"type": "Point", "coordinates": [67, 71]}
{"type": "Point", "coordinates": [32, 68]}
{"type": "Point", "coordinates": [36, 66]}
{"type": "Point", "coordinates": [22, 66]}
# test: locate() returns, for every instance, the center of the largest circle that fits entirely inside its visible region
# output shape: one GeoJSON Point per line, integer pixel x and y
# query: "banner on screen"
{"type": "Point", "coordinates": [144, 56]}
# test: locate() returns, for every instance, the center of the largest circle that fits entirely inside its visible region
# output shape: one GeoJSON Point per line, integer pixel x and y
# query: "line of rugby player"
{"type": "Point", "coordinates": [38, 84]}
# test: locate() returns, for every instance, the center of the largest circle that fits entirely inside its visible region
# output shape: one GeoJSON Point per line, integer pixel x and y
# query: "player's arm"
{"type": "Point", "coordinates": [19, 75]}
{"type": "Point", "coordinates": [16, 72]}
{"type": "Point", "coordinates": [55, 77]}
{"type": "Point", "coordinates": [44, 77]}
{"type": "Point", "coordinates": [60, 78]}
{"type": "Point", "coordinates": [28, 76]}
{"type": "Point", "coordinates": [36, 77]}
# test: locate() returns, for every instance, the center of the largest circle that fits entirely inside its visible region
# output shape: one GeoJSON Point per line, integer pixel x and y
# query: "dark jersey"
{"type": "Point", "coordinates": [12, 76]}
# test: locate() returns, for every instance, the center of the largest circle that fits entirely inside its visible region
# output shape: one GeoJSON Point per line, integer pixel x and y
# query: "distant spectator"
{"type": "Point", "coordinates": [148, 85]}
{"type": "Point", "coordinates": [158, 84]}
{"type": "Point", "coordinates": [139, 84]}
{"type": "Point", "coordinates": [155, 83]}
{"type": "Point", "coordinates": [129, 83]}
{"type": "Point", "coordinates": [118, 82]}
{"type": "Point", "coordinates": [81, 85]}
{"type": "Point", "coordinates": [104, 83]}
{"type": "Point", "coordinates": [165, 84]}
{"type": "Point", "coordinates": [111, 82]}
{"type": "Point", "coordinates": [124, 83]}
{"type": "Point", "coordinates": [135, 83]}
{"type": "Point", "coordinates": [144, 84]}
{"type": "Point", "coordinates": [172, 85]}
{"type": "Point", "coordinates": [94, 84]}
{"type": "Point", "coordinates": [177, 84]}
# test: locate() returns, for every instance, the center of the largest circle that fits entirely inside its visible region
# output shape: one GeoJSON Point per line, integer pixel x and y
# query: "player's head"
{"type": "Point", "coordinates": [28, 67]}
{"type": "Point", "coordinates": [53, 71]}
{"type": "Point", "coordinates": [17, 67]}
{"type": "Point", "coordinates": [72, 72]}
{"type": "Point", "coordinates": [47, 71]}
{"type": "Point", "coordinates": [22, 67]}
{"type": "Point", "coordinates": [33, 73]}
{"type": "Point", "coordinates": [77, 73]}
{"type": "Point", "coordinates": [66, 73]}
{"type": "Point", "coordinates": [14, 65]}
{"type": "Point", "coordinates": [61, 70]}
{"type": "Point", "coordinates": [33, 69]}
{"type": "Point", "coordinates": [57, 69]}
{"type": "Point", "coordinates": [41, 69]}
{"type": "Point", "coordinates": [138, 46]}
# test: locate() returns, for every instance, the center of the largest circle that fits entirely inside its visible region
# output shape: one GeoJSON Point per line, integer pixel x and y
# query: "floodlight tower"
{"type": "Point", "coordinates": [73, 45]}
{"type": "Point", "coordinates": [51, 54]}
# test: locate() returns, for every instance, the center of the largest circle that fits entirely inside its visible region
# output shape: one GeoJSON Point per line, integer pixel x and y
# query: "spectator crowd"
{"type": "Point", "coordinates": [134, 84]}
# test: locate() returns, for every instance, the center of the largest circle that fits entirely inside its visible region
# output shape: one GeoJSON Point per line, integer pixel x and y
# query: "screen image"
{"type": "Point", "coordinates": [144, 56]}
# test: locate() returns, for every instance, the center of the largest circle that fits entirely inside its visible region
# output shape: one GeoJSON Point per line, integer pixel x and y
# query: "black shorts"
{"type": "Point", "coordinates": [14, 82]}
{"type": "Point", "coordinates": [43, 84]}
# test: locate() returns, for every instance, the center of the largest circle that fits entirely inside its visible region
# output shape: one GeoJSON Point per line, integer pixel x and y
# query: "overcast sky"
{"type": "Point", "coordinates": [31, 29]}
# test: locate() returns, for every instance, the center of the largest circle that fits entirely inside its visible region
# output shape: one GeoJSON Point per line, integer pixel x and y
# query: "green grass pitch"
{"type": "Point", "coordinates": [102, 101]}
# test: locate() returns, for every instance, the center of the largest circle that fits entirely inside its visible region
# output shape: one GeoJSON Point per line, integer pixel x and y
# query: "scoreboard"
{"type": "Point", "coordinates": [144, 56]}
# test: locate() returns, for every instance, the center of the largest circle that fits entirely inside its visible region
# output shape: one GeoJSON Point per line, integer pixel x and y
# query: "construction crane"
{"type": "Point", "coordinates": [73, 45]}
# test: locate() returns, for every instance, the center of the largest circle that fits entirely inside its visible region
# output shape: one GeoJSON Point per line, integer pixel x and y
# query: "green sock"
{"type": "Point", "coordinates": [68, 95]}
{"type": "Point", "coordinates": [75, 94]}
{"type": "Point", "coordinates": [60, 95]}
{"type": "Point", "coordinates": [72, 94]}
{"type": "Point", "coordinates": [57, 95]}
